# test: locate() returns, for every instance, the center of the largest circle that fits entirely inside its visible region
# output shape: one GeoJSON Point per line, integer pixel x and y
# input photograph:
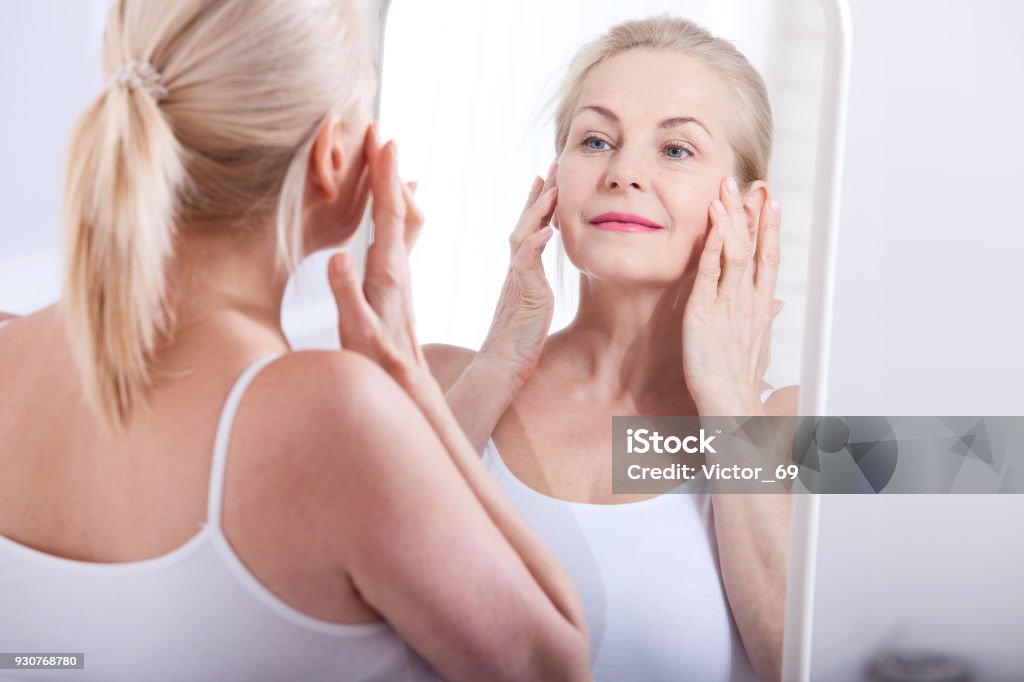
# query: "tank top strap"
{"type": "Point", "coordinates": [223, 438]}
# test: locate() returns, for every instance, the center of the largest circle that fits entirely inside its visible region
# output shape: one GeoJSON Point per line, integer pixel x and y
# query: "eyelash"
{"type": "Point", "coordinates": [585, 143]}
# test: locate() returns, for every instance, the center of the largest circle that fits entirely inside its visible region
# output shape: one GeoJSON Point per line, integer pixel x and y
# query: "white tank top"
{"type": "Point", "coordinates": [649, 578]}
{"type": "Point", "coordinates": [195, 613]}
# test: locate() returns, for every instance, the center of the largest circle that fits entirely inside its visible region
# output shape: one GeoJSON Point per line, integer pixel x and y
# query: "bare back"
{"type": "Point", "coordinates": [73, 490]}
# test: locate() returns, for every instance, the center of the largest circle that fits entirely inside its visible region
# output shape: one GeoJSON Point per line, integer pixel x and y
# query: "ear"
{"type": "Point", "coordinates": [326, 161]}
{"type": "Point", "coordinates": [753, 202]}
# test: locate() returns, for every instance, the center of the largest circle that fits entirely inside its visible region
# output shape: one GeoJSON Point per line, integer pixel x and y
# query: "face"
{"type": "Point", "coordinates": [647, 145]}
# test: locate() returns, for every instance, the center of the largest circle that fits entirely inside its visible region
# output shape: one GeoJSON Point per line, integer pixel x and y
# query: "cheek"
{"type": "Point", "coordinates": [691, 216]}
{"type": "Point", "coordinates": [575, 183]}
{"type": "Point", "coordinates": [690, 206]}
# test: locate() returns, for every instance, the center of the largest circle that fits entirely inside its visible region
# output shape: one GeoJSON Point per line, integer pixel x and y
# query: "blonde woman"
{"type": "Point", "coordinates": [183, 497]}
{"type": "Point", "coordinates": [663, 136]}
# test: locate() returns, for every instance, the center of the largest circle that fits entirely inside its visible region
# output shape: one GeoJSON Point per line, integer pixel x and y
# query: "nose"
{"type": "Point", "coordinates": [624, 172]}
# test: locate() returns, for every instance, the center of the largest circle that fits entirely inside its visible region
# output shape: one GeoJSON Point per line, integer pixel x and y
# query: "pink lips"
{"type": "Point", "coordinates": [624, 222]}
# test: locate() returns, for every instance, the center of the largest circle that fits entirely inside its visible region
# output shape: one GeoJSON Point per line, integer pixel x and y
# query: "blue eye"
{"type": "Point", "coordinates": [674, 151]}
{"type": "Point", "coordinates": [594, 144]}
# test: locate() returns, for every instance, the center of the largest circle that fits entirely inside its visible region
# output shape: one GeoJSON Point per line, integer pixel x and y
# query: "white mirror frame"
{"type": "Point", "coordinates": [796, 658]}
{"type": "Point", "coordinates": [835, 88]}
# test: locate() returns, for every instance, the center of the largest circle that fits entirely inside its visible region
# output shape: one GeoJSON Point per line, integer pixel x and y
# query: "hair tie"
{"type": "Point", "coordinates": [134, 74]}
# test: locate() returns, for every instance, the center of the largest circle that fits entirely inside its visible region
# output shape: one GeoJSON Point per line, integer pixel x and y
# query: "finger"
{"type": "Point", "coordinates": [528, 224]}
{"type": "Point", "coordinates": [535, 189]}
{"type": "Point", "coordinates": [371, 145]}
{"type": "Point", "coordinates": [534, 218]}
{"type": "Point", "coordinates": [389, 209]}
{"type": "Point", "coordinates": [709, 268]}
{"type": "Point", "coordinates": [519, 232]}
{"type": "Point", "coordinates": [549, 183]}
{"type": "Point", "coordinates": [768, 248]}
{"type": "Point", "coordinates": [777, 306]}
{"type": "Point", "coordinates": [738, 251]}
{"type": "Point", "coordinates": [528, 258]}
{"type": "Point", "coordinates": [413, 216]}
{"type": "Point", "coordinates": [356, 318]}
{"type": "Point", "coordinates": [549, 179]}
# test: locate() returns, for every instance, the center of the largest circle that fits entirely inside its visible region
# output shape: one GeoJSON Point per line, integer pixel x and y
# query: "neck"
{"type": "Point", "coordinates": [219, 276]}
{"type": "Point", "coordinates": [629, 337]}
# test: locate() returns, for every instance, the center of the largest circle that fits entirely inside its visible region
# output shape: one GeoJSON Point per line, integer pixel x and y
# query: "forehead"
{"type": "Point", "coordinates": [644, 85]}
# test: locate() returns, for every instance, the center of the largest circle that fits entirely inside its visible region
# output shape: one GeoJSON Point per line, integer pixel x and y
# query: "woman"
{"type": "Point", "coordinates": [663, 135]}
{"type": "Point", "coordinates": [232, 139]}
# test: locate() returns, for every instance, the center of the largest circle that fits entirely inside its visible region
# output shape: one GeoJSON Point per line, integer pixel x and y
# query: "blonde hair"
{"type": "Point", "coordinates": [207, 121]}
{"type": "Point", "coordinates": [750, 128]}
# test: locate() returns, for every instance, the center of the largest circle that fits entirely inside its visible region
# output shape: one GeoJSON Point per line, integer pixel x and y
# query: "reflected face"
{"type": "Point", "coordinates": [646, 153]}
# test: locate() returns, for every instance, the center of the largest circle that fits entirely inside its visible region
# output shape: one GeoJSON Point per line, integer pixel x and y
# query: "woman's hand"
{"type": "Point", "coordinates": [375, 319]}
{"type": "Point", "coordinates": [523, 316]}
{"type": "Point", "coordinates": [727, 324]}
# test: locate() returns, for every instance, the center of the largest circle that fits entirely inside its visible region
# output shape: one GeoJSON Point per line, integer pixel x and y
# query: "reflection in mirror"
{"type": "Point", "coordinates": [465, 97]}
{"type": "Point", "coordinates": [469, 100]}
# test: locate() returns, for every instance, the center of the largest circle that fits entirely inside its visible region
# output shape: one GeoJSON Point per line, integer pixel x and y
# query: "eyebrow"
{"type": "Point", "coordinates": [667, 123]}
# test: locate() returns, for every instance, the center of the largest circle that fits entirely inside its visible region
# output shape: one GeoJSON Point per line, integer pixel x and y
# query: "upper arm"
{"type": "Point", "coordinates": [413, 538]}
{"type": "Point", "coordinates": [783, 401]}
{"type": "Point", "coordinates": [447, 362]}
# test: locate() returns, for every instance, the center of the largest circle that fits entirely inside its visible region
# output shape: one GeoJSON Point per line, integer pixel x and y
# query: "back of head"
{"type": "Point", "coordinates": [206, 123]}
{"type": "Point", "coordinates": [750, 127]}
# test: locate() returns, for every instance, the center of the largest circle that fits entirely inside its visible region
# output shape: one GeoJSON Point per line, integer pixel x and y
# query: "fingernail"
{"type": "Point", "coordinates": [719, 206]}
{"type": "Point", "coordinates": [721, 230]}
{"type": "Point", "coordinates": [731, 185]}
{"type": "Point", "coordinates": [773, 205]}
{"type": "Point", "coordinates": [552, 190]}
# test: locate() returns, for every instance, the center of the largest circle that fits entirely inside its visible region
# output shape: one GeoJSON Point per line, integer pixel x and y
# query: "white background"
{"type": "Point", "coordinates": [928, 320]}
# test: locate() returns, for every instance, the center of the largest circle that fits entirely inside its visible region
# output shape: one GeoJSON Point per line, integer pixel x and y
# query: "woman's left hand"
{"type": "Point", "coordinates": [727, 323]}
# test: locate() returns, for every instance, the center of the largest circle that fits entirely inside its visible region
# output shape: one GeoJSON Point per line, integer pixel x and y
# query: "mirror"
{"type": "Point", "coordinates": [464, 90]}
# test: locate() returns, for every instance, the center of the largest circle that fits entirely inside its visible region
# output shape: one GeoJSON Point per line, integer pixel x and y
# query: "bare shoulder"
{"type": "Point", "coordinates": [316, 433]}
{"type": "Point", "coordinates": [311, 397]}
{"type": "Point", "coordinates": [447, 362]}
{"type": "Point", "coordinates": [783, 401]}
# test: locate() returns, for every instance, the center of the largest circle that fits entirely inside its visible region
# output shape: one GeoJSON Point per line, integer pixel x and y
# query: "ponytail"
{"type": "Point", "coordinates": [206, 123]}
{"type": "Point", "coordinates": [123, 174]}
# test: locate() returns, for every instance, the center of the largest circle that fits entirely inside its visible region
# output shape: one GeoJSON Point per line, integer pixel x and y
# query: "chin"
{"type": "Point", "coordinates": [626, 267]}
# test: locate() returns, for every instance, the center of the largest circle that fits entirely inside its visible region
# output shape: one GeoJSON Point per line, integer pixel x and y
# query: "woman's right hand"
{"type": "Point", "coordinates": [524, 311]}
{"type": "Point", "coordinates": [375, 317]}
